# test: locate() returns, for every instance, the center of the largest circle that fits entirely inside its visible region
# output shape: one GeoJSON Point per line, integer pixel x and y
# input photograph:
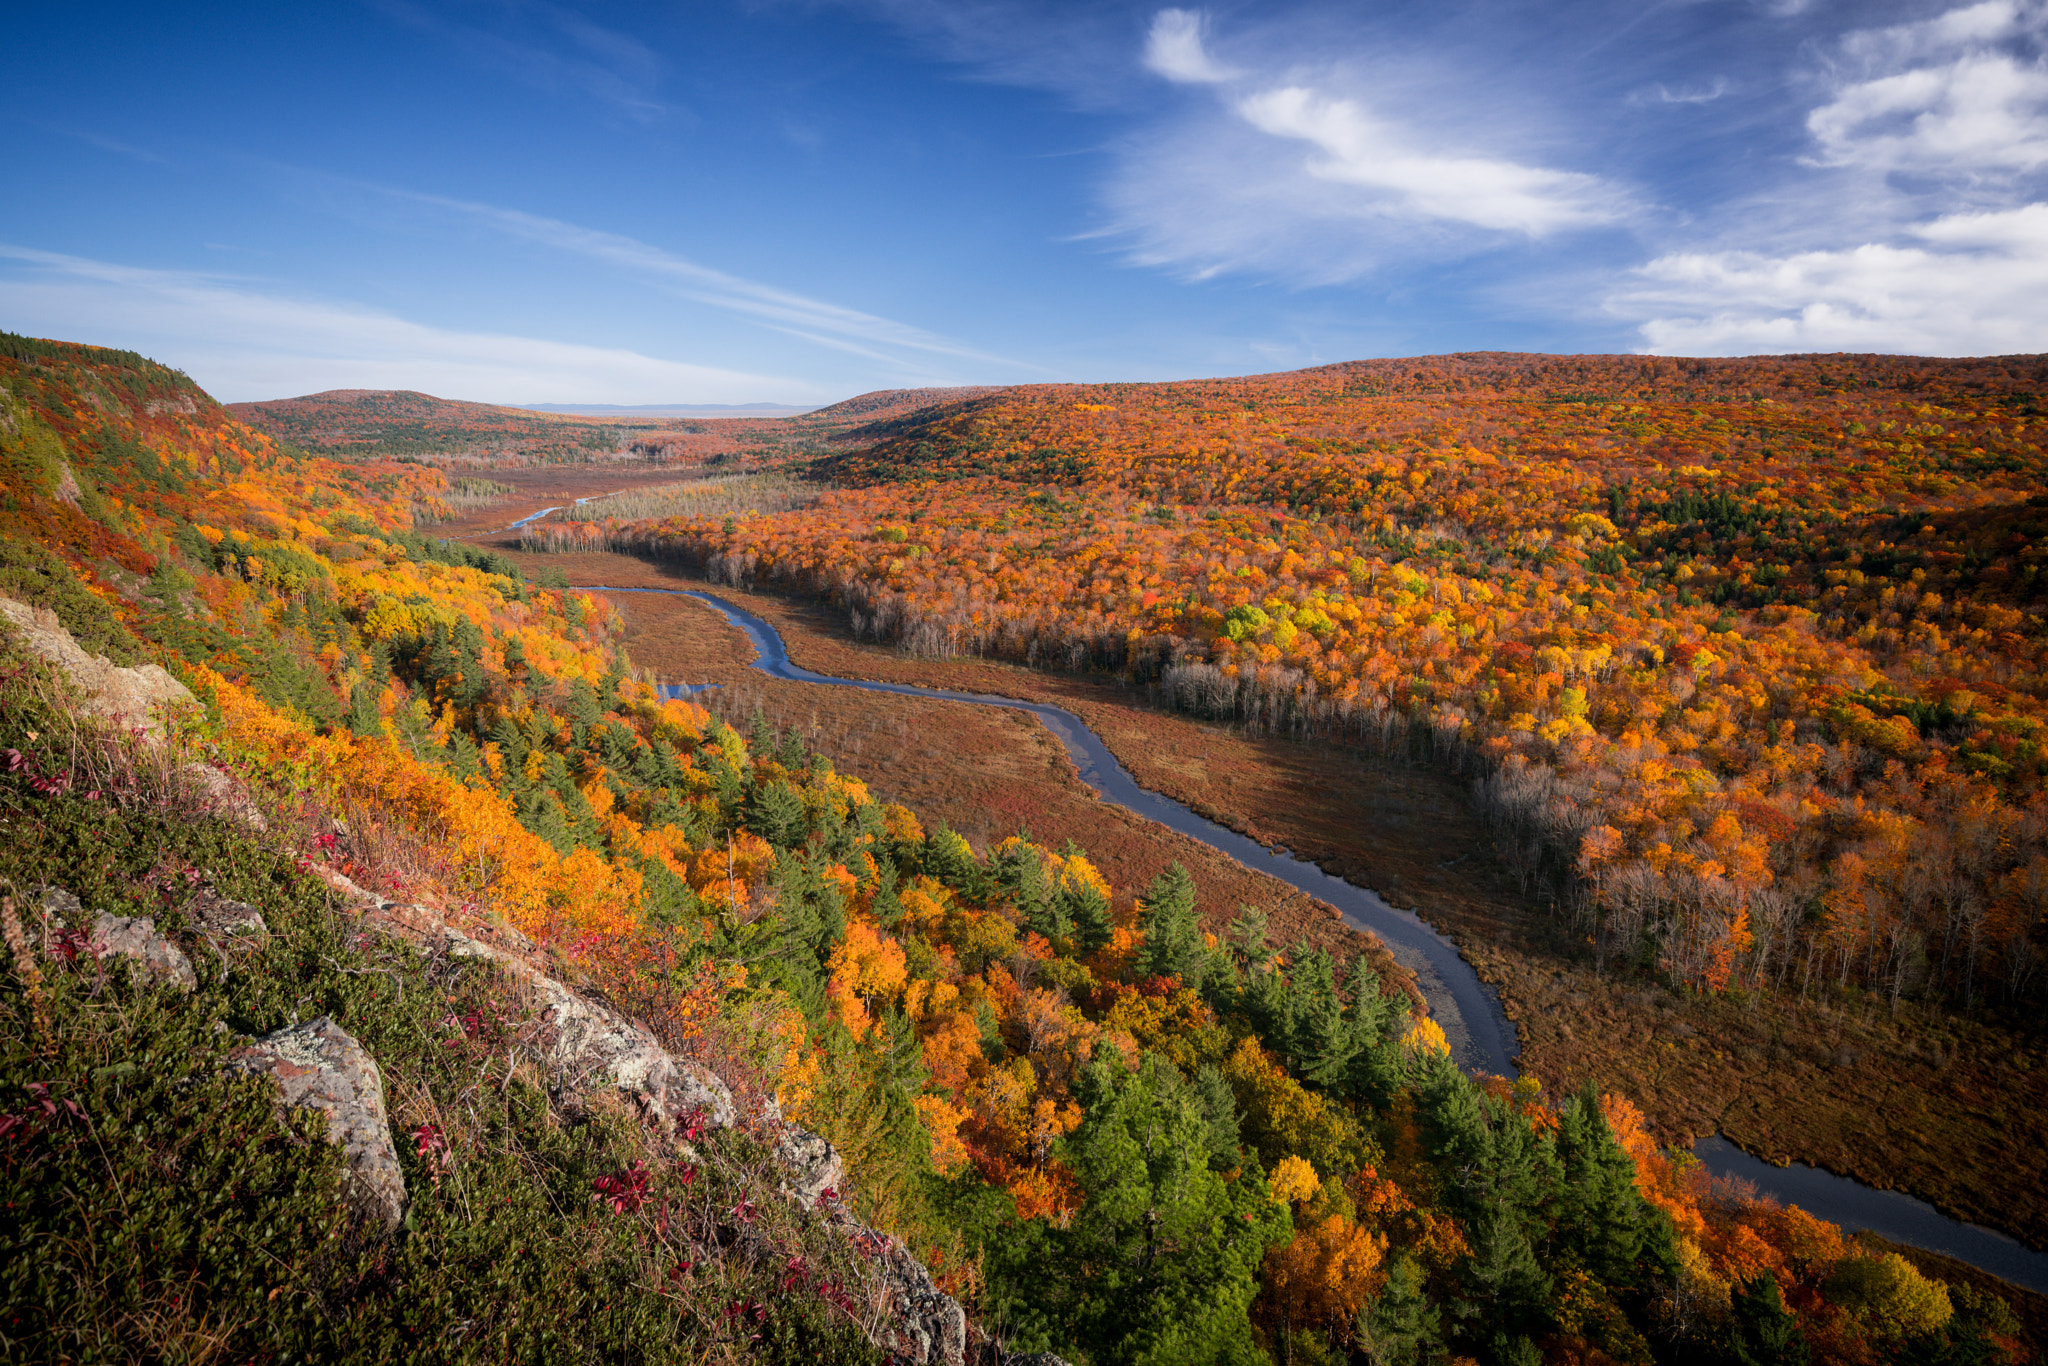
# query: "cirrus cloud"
{"type": "Point", "coordinates": [242, 342]}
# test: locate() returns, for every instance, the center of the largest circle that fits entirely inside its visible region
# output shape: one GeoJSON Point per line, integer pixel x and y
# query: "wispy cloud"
{"type": "Point", "coordinates": [814, 319]}
{"type": "Point", "coordinates": [1682, 94]}
{"type": "Point", "coordinates": [1378, 157]}
{"type": "Point", "coordinates": [1962, 284]}
{"type": "Point", "coordinates": [241, 341]}
{"type": "Point", "coordinates": [1309, 173]}
{"type": "Point", "coordinates": [114, 145]}
{"type": "Point", "coordinates": [553, 49]}
{"type": "Point", "coordinates": [1173, 49]}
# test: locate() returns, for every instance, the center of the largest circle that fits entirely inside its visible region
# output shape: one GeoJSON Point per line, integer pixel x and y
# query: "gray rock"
{"type": "Point", "coordinates": [229, 928]}
{"type": "Point", "coordinates": [811, 1166]}
{"type": "Point", "coordinates": [226, 796]}
{"type": "Point", "coordinates": [1035, 1359]}
{"type": "Point", "coordinates": [583, 1045]}
{"type": "Point", "coordinates": [318, 1065]}
{"type": "Point", "coordinates": [230, 924]}
{"type": "Point", "coordinates": [930, 1326]}
{"type": "Point", "coordinates": [61, 906]}
{"type": "Point", "coordinates": [135, 936]}
{"type": "Point", "coordinates": [129, 699]}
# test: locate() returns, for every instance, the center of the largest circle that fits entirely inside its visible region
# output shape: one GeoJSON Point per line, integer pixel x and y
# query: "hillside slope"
{"type": "Point", "coordinates": [1108, 1134]}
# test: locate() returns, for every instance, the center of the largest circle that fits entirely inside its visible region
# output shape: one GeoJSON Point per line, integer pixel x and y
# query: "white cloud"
{"type": "Point", "coordinates": [1173, 49]}
{"type": "Point", "coordinates": [1955, 95]}
{"type": "Point", "coordinates": [241, 343]}
{"type": "Point", "coordinates": [828, 324]}
{"type": "Point", "coordinates": [1982, 112]}
{"type": "Point", "coordinates": [1485, 192]}
{"type": "Point", "coordinates": [1972, 284]}
{"type": "Point", "coordinates": [1293, 172]}
{"type": "Point", "coordinates": [1684, 94]}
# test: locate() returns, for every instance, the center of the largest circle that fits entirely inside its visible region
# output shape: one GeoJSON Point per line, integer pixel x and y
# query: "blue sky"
{"type": "Point", "coordinates": [795, 200]}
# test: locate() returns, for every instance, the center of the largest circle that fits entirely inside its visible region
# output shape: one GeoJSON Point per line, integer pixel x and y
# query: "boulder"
{"type": "Point", "coordinates": [319, 1065]}
{"type": "Point", "coordinates": [135, 936]}
{"type": "Point", "coordinates": [583, 1045]}
{"type": "Point", "coordinates": [60, 907]}
{"type": "Point", "coordinates": [127, 698]}
{"type": "Point", "coordinates": [230, 924]}
{"type": "Point", "coordinates": [929, 1325]}
{"type": "Point", "coordinates": [226, 796]}
{"type": "Point", "coordinates": [811, 1166]}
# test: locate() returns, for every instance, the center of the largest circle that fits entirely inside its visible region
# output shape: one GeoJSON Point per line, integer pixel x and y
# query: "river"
{"type": "Point", "coordinates": [1481, 1036]}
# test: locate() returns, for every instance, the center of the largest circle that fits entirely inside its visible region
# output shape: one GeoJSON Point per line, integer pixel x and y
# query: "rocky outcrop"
{"type": "Point", "coordinates": [127, 698]}
{"type": "Point", "coordinates": [229, 925]}
{"type": "Point", "coordinates": [811, 1166]}
{"type": "Point", "coordinates": [135, 937]}
{"type": "Point", "coordinates": [930, 1326]}
{"type": "Point", "coordinates": [584, 1046]}
{"type": "Point", "coordinates": [230, 929]}
{"type": "Point", "coordinates": [318, 1065]}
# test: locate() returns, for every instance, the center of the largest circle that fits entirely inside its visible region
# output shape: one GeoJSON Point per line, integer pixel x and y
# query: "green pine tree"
{"type": "Point", "coordinates": [1173, 935]}
{"type": "Point", "coordinates": [1766, 1333]}
{"type": "Point", "coordinates": [1400, 1327]}
{"type": "Point", "coordinates": [1602, 1217]}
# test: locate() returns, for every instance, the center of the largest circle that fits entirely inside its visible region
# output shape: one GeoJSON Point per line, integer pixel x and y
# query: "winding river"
{"type": "Point", "coordinates": [1479, 1032]}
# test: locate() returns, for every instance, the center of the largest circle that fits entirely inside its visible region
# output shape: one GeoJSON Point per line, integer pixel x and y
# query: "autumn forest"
{"type": "Point", "coordinates": [1703, 704]}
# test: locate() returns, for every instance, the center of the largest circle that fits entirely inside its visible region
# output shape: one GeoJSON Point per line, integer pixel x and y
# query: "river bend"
{"type": "Point", "coordinates": [1481, 1036]}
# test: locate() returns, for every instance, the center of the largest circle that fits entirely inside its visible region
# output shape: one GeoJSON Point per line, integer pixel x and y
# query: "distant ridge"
{"type": "Point", "coordinates": [886, 403]}
{"type": "Point", "coordinates": [668, 409]}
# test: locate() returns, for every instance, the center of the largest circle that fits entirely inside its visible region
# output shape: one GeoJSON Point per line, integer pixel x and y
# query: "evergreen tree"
{"type": "Point", "coordinates": [1087, 910]}
{"type": "Point", "coordinates": [1506, 1292]}
{"type": "Point", "coordinates": [1160, 1263]}
{"type": "Point", "coordinates": [760, 737]}
{"type": "Point", "coordinates": [1321, 1042]}
{"type": "Point", "coordinates": [583, 711]}
{"type": "Point", "coordinates": [1602, 1217]}
{"type": "Point", "coordinates": [1173, 936]}
{"type": "Point", "coordinates": [776, 814]}
{"type": "Point", "coordinates": [512, 744]}
{"type": "Point", "coordinates": [1766, 1334]}
{"type": "Point", "coordinates": [363, 718]}
{"type": "Point", "coordinates": [1400, 1327]}
{"type": "Point", "coordinates": [884, 904]}
{"type": "Point", "coordinates": [949, 858]}
{"type": "Point", "coordinates": [614, 678]}
{"type": "Point", "coordinates": [1219, 1104]}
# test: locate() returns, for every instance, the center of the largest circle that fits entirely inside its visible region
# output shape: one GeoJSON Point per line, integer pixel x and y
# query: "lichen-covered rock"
{"type": "Point", "coordinates": [60, 906]}
{"type": "Point", "coordinates": [230, 929]}
{"type": "Point", "coordinates": [1035, 1359]}
{"type": "Point", "coordinates": [583, 1045]}
{"type": "Point", "coordinates": [135, 936]}
{"type": "Point", "coordinates": [227, 796]}
{"type": "Point", "coordinates": [128, 698]}
{"type": "Point", "coordinates": [319, 1065]}
{"type": "Point", "coordinates": [810, 1165]}
{"type": "Point", "coordinates": [230, 924]}
{"type": "Point", "coordinates": [929, 1325]}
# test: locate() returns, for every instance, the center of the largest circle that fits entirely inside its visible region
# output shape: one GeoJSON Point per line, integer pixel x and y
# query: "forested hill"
{"type": "Point", "coordinates": [1109, 1134]}
{"type": "Point", "coordinates": [386, 423]}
